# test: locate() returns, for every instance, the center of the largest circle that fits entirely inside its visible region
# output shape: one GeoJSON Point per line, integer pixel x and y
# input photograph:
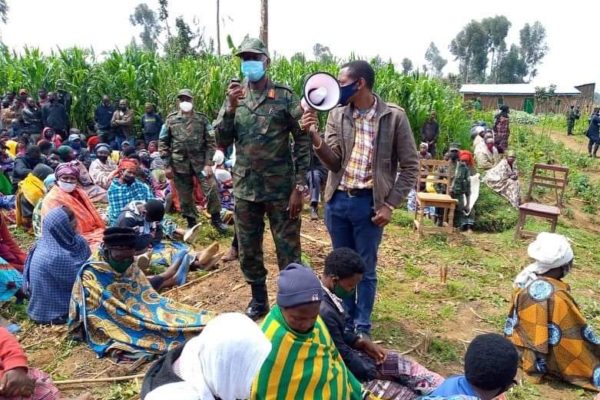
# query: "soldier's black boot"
{"type": "Point", "coordinates": [259, 305]}
{"type": "Point", "coordinates": [215, 219]}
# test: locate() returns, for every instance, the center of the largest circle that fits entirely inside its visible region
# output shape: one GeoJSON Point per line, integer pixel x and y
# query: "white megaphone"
{"type": "Point", "coordinates": [321, 92]}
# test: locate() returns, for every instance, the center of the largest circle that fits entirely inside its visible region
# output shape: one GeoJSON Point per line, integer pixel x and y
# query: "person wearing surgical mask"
{"type": "Point", "coordinates": [370, 151]}
{"type": "Point", "coordinates": [269, 177]}
{"type": "Point", "coordinates": [67, 192]}
{"type": "Point", "coordinates": [186, 145]}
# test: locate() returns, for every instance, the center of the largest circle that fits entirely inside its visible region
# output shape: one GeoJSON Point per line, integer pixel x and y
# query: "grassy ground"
{"type": "Point", "coordinates": [414, 312]}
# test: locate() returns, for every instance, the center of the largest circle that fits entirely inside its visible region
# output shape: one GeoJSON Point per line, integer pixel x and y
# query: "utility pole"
{"type": "Point", "coordinates": [264, 22]}
{"type": "Point", "coordinates": [218, 27]}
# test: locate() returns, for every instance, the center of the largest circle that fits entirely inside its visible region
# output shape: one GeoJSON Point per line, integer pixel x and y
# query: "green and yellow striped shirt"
{"type": "Point", "coordinates": [302, 366]}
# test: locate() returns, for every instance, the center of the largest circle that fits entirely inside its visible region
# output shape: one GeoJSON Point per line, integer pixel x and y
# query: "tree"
{"type": "Point", "coordinates": [322, 53]}
{"type": "Point", "coordinates": [533, 46]}
{"type": "Point", "coordinates": [407, 65]}
{"type": "Point", "coordinates": [3, 11]}
{"type": "Point", "coordinates": [512, 67]}
{"type": "Point", "coordinates": [264, 22]}
{"type": "Point", "coordinates": [469, 48]}
{"type": "Point", "coordinates": [147, 19]}
{"type": "Point", "coordinates": [497, 29]}
{"type": "Point", "coordinates": [435, 61]}
{"type": "Point", "coordinates": [180, 45]}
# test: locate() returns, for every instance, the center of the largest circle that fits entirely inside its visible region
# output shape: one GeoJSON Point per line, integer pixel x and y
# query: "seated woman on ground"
{"type": "Point", "coordinates": [52, 266]}
{"type": "Point", "coordinates": [117, 311]}
{"type": "Point", "coordinates": [103, 169]}
{"type": "Point", "coordinates": [491, 364]}
{"type": "Point", "coordinates": [220, 363]}
{"type": "Point", "coordinates": [12, 259]}
{"type": "Point", "coordinates": [504, 179]}
{"type": "Point", "coordinates": [66, 193]}
{"type": "Point", "coordinates": [31, 191]}
{"type": "Point", "coordinates": [545, 323]}
{"type": "Point", "coordinates": [96, 193]}
{"type": "Point", "coordinates": [18, 380]}
{"type": "Point", "coordinates": [386, 374]}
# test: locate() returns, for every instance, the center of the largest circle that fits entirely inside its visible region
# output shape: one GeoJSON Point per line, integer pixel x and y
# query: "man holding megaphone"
{"type": "Point", "coordinates": [269, 175]}
{"type": "Point", "coordinates": [369, 149]}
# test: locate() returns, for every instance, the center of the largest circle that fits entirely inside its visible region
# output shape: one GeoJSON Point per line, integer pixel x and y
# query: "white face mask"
{"type": "Point", "coordinates": [185, 106]}
{"type": "Point", "coordinates": [67, 187]}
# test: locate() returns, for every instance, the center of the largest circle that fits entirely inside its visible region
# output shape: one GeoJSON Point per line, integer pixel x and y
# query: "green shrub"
{"type": "Point", "coordinates": [493, 212]}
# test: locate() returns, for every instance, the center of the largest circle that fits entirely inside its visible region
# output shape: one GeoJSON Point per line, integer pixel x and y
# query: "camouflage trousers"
{"type": "Point", "coordinates": [184, 183]}
{"type": "Point", "coordinates": [250, 226]}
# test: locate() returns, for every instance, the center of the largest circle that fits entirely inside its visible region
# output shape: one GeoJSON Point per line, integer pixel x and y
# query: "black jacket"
{"type": "Point", "coordinates": [103, 116]}
{"type": "Point", "coordinates": [161, 372]}
{"type": "Point", "coordinates": [55, 117]}
{"type": "Point", "coordinates": [361, 365]}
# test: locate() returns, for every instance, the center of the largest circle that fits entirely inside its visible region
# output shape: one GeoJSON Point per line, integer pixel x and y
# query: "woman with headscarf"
{"type": "Point", "coordinates": [96, 193]}
{"type": "Point", "coordinates": [220, 363]}
{"type": "Point", "coordinates": [103, 169]}
{"type": "Point", "coordinates": [31, 191]}
{"type": "Point", "coordinates": [52, 265]}
{"type": "Point", "coordinates": [50, 135]}
{"type": "Point", "coordinates": [66, 193]}
{"type": "Point", "coordinates": [545, 323]}
{"type": "Point", "coordinates": [125, 189]}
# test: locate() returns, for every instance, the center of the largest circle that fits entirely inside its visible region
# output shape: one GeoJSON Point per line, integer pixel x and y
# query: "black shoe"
{"type": "Point", "coordinates": [259, 305]}
{"type": "Point", "coordinates": [256, 311]}
{"type": "Point", "coordinates": [215, 220]}
{"type": "Point", "coordinates": [191, 222]}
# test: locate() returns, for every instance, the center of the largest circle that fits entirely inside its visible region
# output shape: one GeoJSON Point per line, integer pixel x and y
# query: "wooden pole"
{"type": "Point", "coordinates": [264, 22]}
{"type": "Point", "coordinates": [98, 380]}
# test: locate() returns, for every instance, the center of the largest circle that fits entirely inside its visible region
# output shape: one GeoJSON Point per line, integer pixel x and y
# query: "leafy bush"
{"type": "Point", "coordinates": [521, 117]}
{"type": "Point", "coordinates": [493, 212]}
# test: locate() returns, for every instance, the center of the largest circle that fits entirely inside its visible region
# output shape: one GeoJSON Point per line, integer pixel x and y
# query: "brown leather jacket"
{"type": "Point", "coordinates": [395, 162]}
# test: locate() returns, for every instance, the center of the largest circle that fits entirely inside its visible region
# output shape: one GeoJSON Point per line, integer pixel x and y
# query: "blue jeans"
{"type": "Point", "coordinates": [319, 176]}
{"type": "Point", "coordinates": [348, 220]}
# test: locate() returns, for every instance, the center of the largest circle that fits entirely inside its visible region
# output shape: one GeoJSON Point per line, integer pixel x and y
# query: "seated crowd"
{"type": "Point", "coordinates": [105, 249]}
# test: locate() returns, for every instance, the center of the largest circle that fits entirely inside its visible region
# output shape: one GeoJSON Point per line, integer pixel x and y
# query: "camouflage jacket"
{"type": "Point", "coordinates": [272, 153]}
{"type": "Point", "coordinates": [187, 144]}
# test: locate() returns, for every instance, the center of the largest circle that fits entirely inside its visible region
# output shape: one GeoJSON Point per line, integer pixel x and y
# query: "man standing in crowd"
{"type": "Point", "coordinates": [187, 146]}
{"type": "Point", "coordinates": [63, 97]}
{"type": "Point", "coordinates": [572, 116]}
{"type": "Point", "coordinates": [31, 117]}
{"type": "Point", "coordinates": [151, 123]}
{"type": "Point", "coordinates": [371, 154]}
{"type": "Point", "coordinates": [269, 176]}
{"type": "Point", "coordinates": [42, 97]}
{"type": "Point", "coordinates": [55, 116]}
{"type": "Point", "coordinates": [102, 118]}
{"type": "Point", "coordinates": [430, 133]}
{"type": "Point", "coordinates": [122, 123]}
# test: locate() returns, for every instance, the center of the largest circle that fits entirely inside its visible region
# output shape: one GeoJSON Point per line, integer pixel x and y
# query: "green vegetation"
{"type": "Point", "coordinates": [142, 76]}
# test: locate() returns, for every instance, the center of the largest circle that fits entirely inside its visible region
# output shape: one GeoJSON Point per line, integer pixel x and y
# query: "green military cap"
{"type": "Point", "coordinates": [454, 146]}
{"type": "Point", "coordinates": [186, 93]}
{"type": "Point", "coordinates": [253, 45]}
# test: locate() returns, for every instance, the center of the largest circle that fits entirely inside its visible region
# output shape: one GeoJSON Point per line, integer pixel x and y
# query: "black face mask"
{"type": "Point", "coordinates": [129, 179]}
{"type": "Point", "coordinates": [454, 157]}
{"type": "Point", "coordinates": [123, 108]}
{"type": "Point", "coordinates": [102, 158]}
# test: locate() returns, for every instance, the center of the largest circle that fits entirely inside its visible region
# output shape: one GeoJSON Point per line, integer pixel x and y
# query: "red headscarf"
{"type": "Point", "coordinates": [129, 164]}
{"type": "Point", "coordinates": [466, 156]}
{"type": "Point", "coordinates": [92, 142]}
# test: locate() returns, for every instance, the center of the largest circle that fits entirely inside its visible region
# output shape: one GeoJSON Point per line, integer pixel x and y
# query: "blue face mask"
{"type": "Point", "coordinates": [253, 70]}
{"type": "Point", "coordinates": [347, 92]}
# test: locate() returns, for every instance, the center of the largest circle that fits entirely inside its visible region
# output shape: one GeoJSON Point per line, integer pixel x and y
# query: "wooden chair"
{"type": "Point", "coordinates": [553, 177]}
{"type": "Point", "coordinates": [435, 172]}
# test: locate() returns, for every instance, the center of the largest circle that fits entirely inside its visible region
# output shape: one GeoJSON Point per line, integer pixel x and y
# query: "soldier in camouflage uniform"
{"type": "Point", "coordinates": [187, 145]}
{"type": "Point", "coordinates": [269, 176]}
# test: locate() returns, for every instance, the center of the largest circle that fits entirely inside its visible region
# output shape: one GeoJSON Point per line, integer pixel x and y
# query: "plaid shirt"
{"type": "Point", "coordinates": [359, 170]}
{"type": "Point", "coordinates": [120, 194]}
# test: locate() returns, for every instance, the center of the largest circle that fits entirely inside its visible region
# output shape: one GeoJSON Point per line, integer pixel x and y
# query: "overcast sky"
{"type": "Point", "coordinates": [392, 29]}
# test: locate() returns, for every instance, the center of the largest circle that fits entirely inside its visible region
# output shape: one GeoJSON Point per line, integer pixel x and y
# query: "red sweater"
{"type": "Point", "coordinates": [11, 354]}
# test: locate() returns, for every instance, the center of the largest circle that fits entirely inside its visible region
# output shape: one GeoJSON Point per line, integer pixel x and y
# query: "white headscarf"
{"type": "Point", "coordinates": [219, 157]}
{"type": "Point", "coordinates": [224, 359]}
{"type": "Point", "coordinates": [549, 250]}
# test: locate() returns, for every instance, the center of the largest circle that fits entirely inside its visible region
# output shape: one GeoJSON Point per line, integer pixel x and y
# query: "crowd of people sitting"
{"type": "Point", "coordinates": [105, 247]}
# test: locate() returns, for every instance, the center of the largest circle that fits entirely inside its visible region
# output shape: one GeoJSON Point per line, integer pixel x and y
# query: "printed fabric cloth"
{"type": "Point", "coordinates": [122, 316]}
{"type": "Point", "coordinates": [552, 335]}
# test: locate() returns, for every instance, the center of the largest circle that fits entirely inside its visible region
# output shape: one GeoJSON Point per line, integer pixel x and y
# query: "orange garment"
{"type": "Point", "coordinates": [89, 222]}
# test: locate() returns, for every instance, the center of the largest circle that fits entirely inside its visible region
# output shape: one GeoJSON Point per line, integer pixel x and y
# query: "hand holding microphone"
{"type": "Point", "coordinates": [235, 92]}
